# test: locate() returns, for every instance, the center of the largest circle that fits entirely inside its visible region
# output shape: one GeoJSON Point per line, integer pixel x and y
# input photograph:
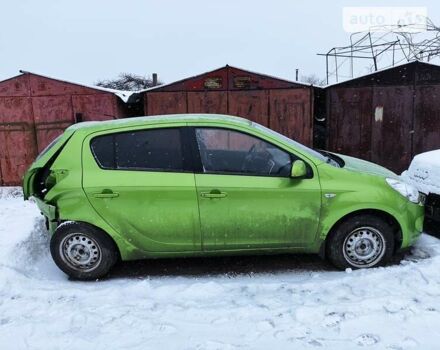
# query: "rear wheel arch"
{"type": "Point", "coordinates": [116, 246]}
{"type": "Point", "coordinates": [126, 249]}
{"type": "Point", "coordinates": [83, 251]}
{"type": "Point", "coordinates": [387, 217]}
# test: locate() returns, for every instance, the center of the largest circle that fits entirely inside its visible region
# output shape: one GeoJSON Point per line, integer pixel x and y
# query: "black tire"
{"type": "Point", "coordinates": [83, 251]}
{"type": "Point", "coordinates": [358, 237]}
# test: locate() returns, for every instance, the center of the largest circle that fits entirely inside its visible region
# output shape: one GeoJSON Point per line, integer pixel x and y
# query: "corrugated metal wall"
{"type": "Point", "coordinates": [284, 106]}
{"type": "Point", "coordinates": [386, 117]}
{"type": "Point", "coordinates": [36, 109]}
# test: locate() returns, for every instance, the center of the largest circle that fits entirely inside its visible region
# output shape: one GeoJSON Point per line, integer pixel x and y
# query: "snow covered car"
{"type": "Point", "coordinates": [424, 173]}
{"type": "Point", "coordinates": [193, 185]}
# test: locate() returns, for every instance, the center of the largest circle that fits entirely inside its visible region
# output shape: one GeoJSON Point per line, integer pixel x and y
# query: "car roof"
{"type": "Point", "coordinates": [157, 119]}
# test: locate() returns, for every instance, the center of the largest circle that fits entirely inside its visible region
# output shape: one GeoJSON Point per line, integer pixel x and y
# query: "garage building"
{"type": "Point", "coordinates": [34, 109]}
{"type": "Point", "coordinates": [388, 116]}
{"type": "Point", "coordinates": [282, 105]}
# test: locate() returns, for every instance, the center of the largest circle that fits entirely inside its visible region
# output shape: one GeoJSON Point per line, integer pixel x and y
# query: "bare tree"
{"type": "Point", "coordinates": [312, 79]}
{"type": "Point", "coordinates": [129, 82]}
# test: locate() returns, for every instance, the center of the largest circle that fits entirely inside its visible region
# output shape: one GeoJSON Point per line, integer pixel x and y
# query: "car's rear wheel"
{"type": "Point", "coordinates": [83, 251]}
{"type": "Point", "coordinates": [360, 242]}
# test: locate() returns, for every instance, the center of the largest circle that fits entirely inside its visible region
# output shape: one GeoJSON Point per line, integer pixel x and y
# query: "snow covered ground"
{"type": "Point", "coordinates": [233, 303]}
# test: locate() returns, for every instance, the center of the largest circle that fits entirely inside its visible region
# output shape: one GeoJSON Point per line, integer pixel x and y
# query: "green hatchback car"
{"type": "Point", "coordinates": [203, 185]}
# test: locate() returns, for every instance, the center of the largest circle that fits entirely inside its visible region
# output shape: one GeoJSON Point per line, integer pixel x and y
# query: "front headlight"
{"type": "Point", "coordinates": [405, 189]}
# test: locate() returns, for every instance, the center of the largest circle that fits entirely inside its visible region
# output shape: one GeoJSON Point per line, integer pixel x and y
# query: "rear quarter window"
{"type": "Point", "coordinates": [103, 150]}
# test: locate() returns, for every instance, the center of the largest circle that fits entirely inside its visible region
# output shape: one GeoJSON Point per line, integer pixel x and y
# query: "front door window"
{"type": "Point", "coordinates": [224, 151]}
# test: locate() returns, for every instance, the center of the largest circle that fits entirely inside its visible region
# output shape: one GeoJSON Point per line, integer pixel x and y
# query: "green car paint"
{"type": "Point", "coordinates": [189, 213]}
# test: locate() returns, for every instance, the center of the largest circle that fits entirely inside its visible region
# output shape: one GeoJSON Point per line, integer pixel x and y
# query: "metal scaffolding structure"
{"type": "Point", "coordinates": [382, 47]}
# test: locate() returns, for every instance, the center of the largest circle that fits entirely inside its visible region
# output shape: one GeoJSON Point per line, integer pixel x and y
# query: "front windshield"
{"type": "Point", "coordinates": [295, 144]}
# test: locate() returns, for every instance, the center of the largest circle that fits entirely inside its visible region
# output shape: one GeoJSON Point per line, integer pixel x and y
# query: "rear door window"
{"type": "Point", "coordinates": [153, 149]}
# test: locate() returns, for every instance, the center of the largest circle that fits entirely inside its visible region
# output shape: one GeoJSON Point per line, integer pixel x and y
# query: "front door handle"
{"type": "Point", "coordinates": [214, 194]}
{"type": "Point", "coordinates": [106, 194]}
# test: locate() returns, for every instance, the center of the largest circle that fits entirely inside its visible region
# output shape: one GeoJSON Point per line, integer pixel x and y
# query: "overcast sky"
{"type": "Point", "coordinates": [87, 40]}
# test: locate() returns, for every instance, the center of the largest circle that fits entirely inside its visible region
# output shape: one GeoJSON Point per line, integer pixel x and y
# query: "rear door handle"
{"type": "Point", "coordinates": [214, 194]}
{"type": "Point", "coordinates": [106, 194]}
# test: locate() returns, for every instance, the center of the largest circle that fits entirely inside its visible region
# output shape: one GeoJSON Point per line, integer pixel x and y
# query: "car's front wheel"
{"type": "Point", "coordinates": [82, 251]}
{"type": "Point", "coordinates": [361, 241]}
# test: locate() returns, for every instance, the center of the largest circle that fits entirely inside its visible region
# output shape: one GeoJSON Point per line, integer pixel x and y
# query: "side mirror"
{"type": "Point", "coordinates": [299, 169]}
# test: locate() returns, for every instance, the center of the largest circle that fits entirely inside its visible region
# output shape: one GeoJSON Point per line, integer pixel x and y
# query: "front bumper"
{"type": "Point", "coordinates": [412, 224]}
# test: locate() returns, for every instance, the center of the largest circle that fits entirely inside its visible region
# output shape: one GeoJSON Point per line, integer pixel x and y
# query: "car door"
{"type": "Point", "coordinates": [141, 183]}
{"type": "Point", "coordinates": [247, 199]}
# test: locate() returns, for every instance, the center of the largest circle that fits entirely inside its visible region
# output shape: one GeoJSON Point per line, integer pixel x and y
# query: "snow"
{"type": "Point", "coordinates": [424, 172]}
{"type": "Point", "coordinates": [286, 302]}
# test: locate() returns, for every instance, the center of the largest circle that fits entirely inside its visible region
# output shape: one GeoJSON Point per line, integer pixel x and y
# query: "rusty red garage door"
{"type": "Point", "coordinates": [427, 119]}
{"type": "Point", "coordinates": [208, 102]}
{"type": "Point", "coordinates": [291, 114]}
{"type": "Point", "coordinates": [253, 105]}
{"type": "Point", "coordinates": [391, 128]}
{"type": "Point", "coordinates": [351, 131]}
{"type": "Point", "coordinates": [166, 103]}
{"type": "Point", "coordinates": [52, 115]}
{"type": "Point", "coordinates": [95, 107]}
{"type": "Point", "coordinates": [17, 138]}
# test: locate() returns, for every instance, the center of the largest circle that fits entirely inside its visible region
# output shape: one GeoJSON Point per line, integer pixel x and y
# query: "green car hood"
{"type": "Point", "coordinates": [364, 166]}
